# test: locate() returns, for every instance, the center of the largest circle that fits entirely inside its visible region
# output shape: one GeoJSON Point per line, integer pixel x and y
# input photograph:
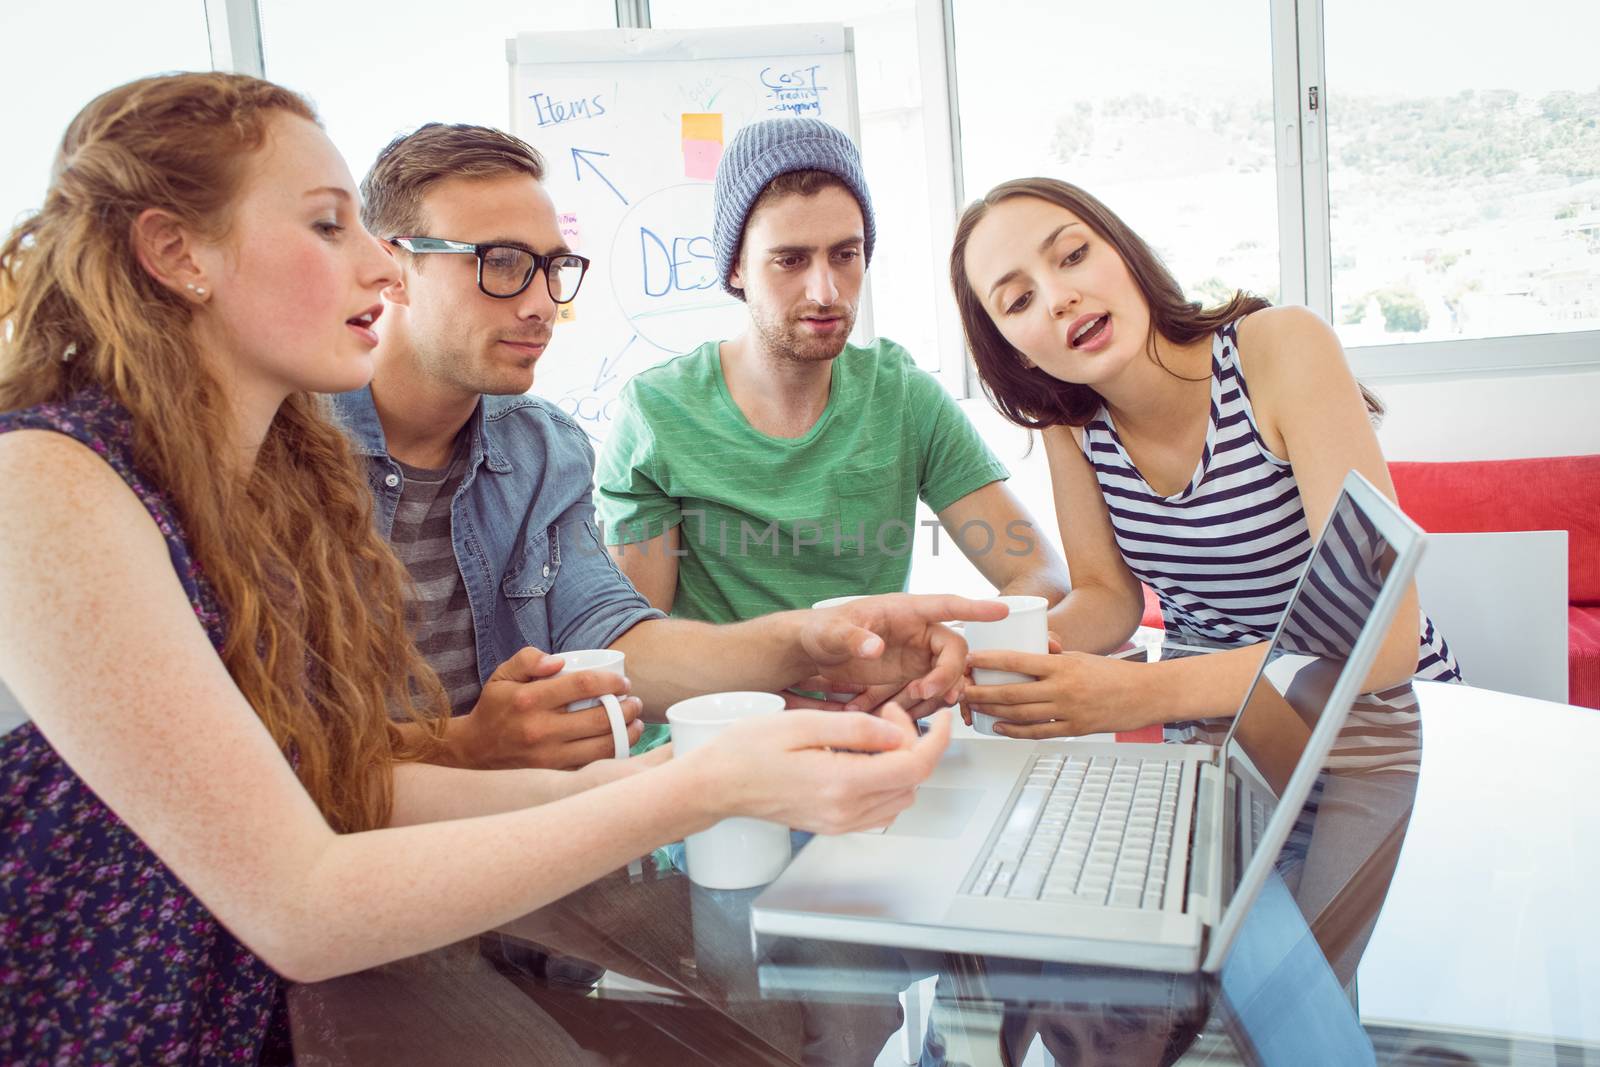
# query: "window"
{"type": "Point", "coordinates": [1456, 199]}
{"type": "Point", "coordinates": [1463, 169]}
{"type": "Point", "coordinates": [906, 267]}
{"type": "Point", "coordinates": [60, 56]}
{"type": "Point", "coordinates": [374, 72]}
{"type": "Point", "coordinates": [1161, 110]}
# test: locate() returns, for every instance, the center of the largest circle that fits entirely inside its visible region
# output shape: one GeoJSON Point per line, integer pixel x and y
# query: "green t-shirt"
{"type": "Point", "coordinates": [769, 523]}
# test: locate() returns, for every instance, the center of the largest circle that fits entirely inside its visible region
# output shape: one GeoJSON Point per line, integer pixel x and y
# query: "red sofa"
{"type": "Point", "coordinates": [1558, 493]}
{"type": "Point", "coordinates": [1555, 493]}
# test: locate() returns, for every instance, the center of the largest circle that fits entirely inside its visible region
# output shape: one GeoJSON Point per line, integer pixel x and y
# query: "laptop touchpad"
{"type": "Point", "coordinates": [938, 813]}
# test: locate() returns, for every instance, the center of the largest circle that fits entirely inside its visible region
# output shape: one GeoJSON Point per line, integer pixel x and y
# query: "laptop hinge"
{"type": "Point", "coordinates": [1205, 863]}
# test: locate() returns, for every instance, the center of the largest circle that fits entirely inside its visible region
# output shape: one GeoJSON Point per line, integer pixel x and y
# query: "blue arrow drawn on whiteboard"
{"type": "Point", "coordinates": [608, 367]}
{"type": "Point", "coordinates": [581, 155]}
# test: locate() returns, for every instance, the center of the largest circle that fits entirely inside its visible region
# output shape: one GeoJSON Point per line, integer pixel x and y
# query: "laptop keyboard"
{"type": "Point", "coordinates": [1086, 830]}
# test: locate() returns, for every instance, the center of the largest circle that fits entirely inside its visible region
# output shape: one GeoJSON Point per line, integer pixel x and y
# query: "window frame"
{"type": "Point", "coordinates": [1472, 357]}
{"type": "Point", "coordinates": [1305, 244]}
{"type": "Point", "coordinates": [1300, 137]}
{"type": "Point", "coordinates": [234, 27]}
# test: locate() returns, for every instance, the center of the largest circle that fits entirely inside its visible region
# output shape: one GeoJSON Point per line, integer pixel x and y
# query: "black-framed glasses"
{"type": "Point", "coordinates": [504, 271]}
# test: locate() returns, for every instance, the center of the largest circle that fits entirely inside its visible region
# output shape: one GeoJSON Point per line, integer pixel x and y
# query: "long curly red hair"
{"type": "Point", "coordinates": [317, 638]}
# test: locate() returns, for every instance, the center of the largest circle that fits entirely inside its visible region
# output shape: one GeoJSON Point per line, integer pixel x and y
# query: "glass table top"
{"type": "Point", "coordinates": [1433, 906]}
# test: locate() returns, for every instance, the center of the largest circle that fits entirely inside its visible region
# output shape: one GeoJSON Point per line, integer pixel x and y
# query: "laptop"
{"type": "Point", "coordinates": [1121, 855]}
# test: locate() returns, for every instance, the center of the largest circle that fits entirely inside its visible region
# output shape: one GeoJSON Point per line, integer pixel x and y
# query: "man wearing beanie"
{"type": "Point", "coordinates": [783, 466]}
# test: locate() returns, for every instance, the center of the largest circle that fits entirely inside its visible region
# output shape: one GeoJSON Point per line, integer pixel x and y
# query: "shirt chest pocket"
{"type": "Point", "coordinates": [869, 506]}
{"type": "Point", "coordinates": [536, 571]}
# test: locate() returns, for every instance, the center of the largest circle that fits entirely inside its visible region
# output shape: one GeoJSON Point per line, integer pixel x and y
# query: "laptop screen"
{"type": "Point", "coordinates": [1331, 607]}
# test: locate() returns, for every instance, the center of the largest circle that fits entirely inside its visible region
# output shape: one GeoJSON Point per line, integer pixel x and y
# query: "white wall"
{"type": "Point", "coordinates": [1508, 417]}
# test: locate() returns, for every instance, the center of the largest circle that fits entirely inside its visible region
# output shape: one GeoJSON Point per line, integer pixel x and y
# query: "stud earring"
{"type": "Point", "coordinates": [197, 290]}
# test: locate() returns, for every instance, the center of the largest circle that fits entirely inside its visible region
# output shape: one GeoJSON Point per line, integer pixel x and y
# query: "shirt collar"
{"type": "Point", "coordinates": [359, 415]}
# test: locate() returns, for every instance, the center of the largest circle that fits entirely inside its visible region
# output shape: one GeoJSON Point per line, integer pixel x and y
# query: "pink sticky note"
{"type": "Point", "coordinates": [700, 159]}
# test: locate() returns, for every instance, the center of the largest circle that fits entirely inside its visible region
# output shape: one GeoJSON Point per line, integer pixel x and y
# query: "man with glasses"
{"type": "Point", "coordinates": [485, 492]}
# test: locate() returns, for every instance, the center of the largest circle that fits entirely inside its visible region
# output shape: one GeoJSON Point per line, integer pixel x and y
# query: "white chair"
{"type": "Point", "coordinates": [1500, 599]}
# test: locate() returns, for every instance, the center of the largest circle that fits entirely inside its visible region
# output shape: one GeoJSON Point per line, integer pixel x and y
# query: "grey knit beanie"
{"type": "Point", "coordinates": [759, 153]}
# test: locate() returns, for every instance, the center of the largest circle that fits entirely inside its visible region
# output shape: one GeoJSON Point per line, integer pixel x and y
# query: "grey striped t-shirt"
{"type": "Point", "coordinates": [440, 617]}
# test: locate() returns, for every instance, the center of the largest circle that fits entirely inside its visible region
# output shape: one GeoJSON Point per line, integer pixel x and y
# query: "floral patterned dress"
{"type": "Point", "coordinates": [105, 956]}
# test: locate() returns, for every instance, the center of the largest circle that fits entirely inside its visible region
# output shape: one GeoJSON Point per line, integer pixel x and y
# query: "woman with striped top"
{"type": "Point", "coordinates": [1196, 450]}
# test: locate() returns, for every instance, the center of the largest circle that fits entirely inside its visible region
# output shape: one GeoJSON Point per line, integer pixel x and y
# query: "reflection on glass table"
{"type": "Point", "coordinates": [678, 971]}
{"type": "Point", "coordinates": [1469, 922]}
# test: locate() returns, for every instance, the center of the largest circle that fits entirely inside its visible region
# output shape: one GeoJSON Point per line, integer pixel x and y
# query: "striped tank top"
{"type": "Point", "coordinates": [1223, 553]}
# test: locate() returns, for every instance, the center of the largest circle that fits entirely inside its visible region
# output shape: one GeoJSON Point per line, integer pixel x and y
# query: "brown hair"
{"type": "Point", "coordinates": [789, 183]}
{"type": "Point", "coordinates": [314, 599]}
{"type": "Point", "coordinates": [1027, 395]}
{"type": "Point", "coordinates": [414, 162]}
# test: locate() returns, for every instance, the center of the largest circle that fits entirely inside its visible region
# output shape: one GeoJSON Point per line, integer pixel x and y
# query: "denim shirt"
{"type": "Point", "coordinates": [522, 524]}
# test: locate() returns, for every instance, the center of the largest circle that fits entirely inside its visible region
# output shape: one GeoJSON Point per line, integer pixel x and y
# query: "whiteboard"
{"type": "Point", "coordinates": [631, 124]}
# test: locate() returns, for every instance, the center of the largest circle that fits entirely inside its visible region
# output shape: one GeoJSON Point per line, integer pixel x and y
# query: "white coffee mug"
{"type": "Point", "coordinates": [738, 852]}
{"type": "Point", "coordinates": [1023, 630]}
{"type": "Point", "coordinates": [600, 659]}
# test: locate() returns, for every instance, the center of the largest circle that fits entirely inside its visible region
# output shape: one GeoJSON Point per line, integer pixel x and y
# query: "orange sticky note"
{"type": "Point", "coordinates": [702, 126]}
{"type": "Point", "coordinates": [566, 313]}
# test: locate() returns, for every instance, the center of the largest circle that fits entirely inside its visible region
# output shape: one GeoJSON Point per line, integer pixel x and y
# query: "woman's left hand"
{"type": "Point", "coordinates": [1076, 693]}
